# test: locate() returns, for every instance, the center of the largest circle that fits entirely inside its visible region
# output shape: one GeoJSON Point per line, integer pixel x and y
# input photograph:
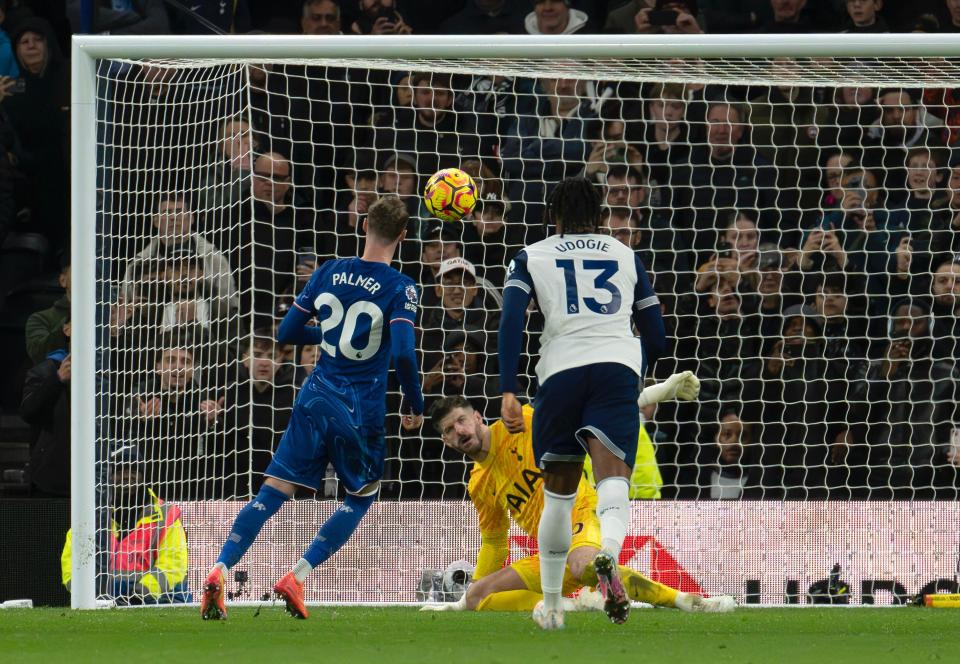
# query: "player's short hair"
{"type": "Point", "coordinates": [621, 212]}
{"type": "Point", "coordinates": [938, 156]}
{"type": "Point", "coordinates": [834, 282]}
{"type": "Point", "coordinates": [444, 406]}
{"type": "Point", "coordinates": [574, 206]}
{"type": "Point", "coordinates": [739, 108]}
{"type": "Point", "coordinates": [262, 341]}
{"type": "Point", "coordinates": [432, 79]}
{"type": "Point", "coordinates": [626, 172]}
{"type": "Point", "coordinates": [387, 218]}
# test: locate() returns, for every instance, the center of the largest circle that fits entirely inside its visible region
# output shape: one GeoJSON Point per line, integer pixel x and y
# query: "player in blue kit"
{"type": "Point", "coordinates": [365, 311]}
{"type": "Point", "coordinates": [591, 290]}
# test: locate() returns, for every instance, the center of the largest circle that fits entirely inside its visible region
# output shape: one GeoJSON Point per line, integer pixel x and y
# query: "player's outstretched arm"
{"type": "Point", "coordinates": [509, 340]}
{"type": "Point", "coordinates": [294, 328]}
{"type": "Point", "coordinates": [683, 386]}
{"type": "Point", "coordinates": [517, 292]}
{"type": "Point", "coordinates": [403, 351]}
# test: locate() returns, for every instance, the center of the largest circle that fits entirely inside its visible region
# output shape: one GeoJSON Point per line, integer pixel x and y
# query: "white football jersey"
{"type": "Point", "coordinates": [587, 286]}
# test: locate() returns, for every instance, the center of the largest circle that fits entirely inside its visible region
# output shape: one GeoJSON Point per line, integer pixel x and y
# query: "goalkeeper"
{"type": "Point", "coordinates": [505, 482]}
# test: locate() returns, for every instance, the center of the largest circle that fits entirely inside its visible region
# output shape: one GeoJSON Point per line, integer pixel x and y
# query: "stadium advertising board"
{"type": "Point", "coordinates": [760, 552]}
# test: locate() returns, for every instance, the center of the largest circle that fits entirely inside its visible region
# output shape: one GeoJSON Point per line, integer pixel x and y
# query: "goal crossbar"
{"type": "Point", "coordinates": [576, 47]}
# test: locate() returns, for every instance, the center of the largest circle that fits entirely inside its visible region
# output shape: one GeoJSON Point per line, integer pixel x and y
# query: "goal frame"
{"type": "Point", "coordinates": [86, 50]}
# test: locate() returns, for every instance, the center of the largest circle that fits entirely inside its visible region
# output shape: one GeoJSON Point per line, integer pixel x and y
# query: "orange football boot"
{"type": "Point", "coordinates": [212, 606]}
{"type": "Point", "coordinates": [292, 594]}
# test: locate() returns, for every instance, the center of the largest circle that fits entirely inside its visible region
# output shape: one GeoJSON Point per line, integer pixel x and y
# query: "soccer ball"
{"type": "Point", "coordinates": [450, 194]}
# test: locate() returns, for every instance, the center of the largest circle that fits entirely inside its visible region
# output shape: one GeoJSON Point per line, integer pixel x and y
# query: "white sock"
{"type": "Point", "coordinates": [553, 537]}
{"type": "Point", "coordinates": [302, 570]}
{"type": "Point", "coordinates": [223, 568]}
{"type": "Point", "coordinates": [613, 510]}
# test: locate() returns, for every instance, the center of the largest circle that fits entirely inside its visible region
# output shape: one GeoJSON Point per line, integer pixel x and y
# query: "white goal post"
{"type": "Point", "coordinates": [745, 59]}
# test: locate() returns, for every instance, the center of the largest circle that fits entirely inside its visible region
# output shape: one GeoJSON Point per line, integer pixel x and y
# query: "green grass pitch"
{"type": "Point", "coordinates": [399, 635]}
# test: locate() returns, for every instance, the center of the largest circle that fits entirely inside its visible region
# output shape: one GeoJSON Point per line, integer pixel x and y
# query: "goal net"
{"type": "Point", "coordinates": [798, 217]}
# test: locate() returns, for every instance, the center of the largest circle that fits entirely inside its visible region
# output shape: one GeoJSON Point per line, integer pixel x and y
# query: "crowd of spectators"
{"type": "Point", "coordinates": [803, 240]}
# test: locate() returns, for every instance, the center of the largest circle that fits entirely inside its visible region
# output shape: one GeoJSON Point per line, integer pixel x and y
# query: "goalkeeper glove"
{"type": "Point", "coordinates": [459, 605]}
{"type": "Point", "coordinates": [683, 386]}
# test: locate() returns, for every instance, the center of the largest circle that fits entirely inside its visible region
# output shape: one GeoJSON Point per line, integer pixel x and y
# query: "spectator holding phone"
{"type": "Point", "coordinates": [725, 264]}
{"type": "Point", "coordinates": [743, 238]}
{"type": "Point", "coordinates": [669, 17]}
{"type": "Point", "coordinates": [853, 237]}
{"type": "Point", "coordinates": [777, 287]}
{"type": "Point", "coordinates": [611, 150]}
{"type": "Point", "coordinates": [379, 17]}
{"type": "Point", "coordinates": [833, 167]}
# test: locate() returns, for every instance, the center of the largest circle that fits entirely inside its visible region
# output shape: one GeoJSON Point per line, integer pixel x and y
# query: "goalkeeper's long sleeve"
{"type": "Point", "coordinates": [510, 337]}
{"type": "Point", "coordinates": [403, 351]}
{"type": "Point", "coordinates": [294, 329]}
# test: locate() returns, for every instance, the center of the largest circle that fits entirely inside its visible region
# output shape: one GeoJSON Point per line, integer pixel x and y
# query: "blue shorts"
{"type": "Point", "coordinates": [598, 400]}
{"type": "Point", "coordinates": [324, 429]}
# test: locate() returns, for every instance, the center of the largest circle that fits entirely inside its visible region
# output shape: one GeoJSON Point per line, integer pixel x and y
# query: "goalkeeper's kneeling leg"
{"type": "Point", "coordinates": [482, 594]}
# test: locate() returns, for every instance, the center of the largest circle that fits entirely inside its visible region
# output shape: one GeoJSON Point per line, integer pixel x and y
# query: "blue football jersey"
{"type": "Point", "coordinates": [355, 301]}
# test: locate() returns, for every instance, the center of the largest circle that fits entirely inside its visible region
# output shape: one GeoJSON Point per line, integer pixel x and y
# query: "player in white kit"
{"type": "Point", "coordinates": [592, 290]}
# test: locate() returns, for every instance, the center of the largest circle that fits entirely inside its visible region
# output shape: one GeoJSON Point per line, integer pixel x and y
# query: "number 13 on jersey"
{"type": "Point", "coordinates": [602, 270]}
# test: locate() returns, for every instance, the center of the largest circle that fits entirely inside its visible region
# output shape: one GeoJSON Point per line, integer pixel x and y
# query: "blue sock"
{"type": "Point", "coordinates": [336, 530]}
{"type": "Point", "coordinates": [248, 523]}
